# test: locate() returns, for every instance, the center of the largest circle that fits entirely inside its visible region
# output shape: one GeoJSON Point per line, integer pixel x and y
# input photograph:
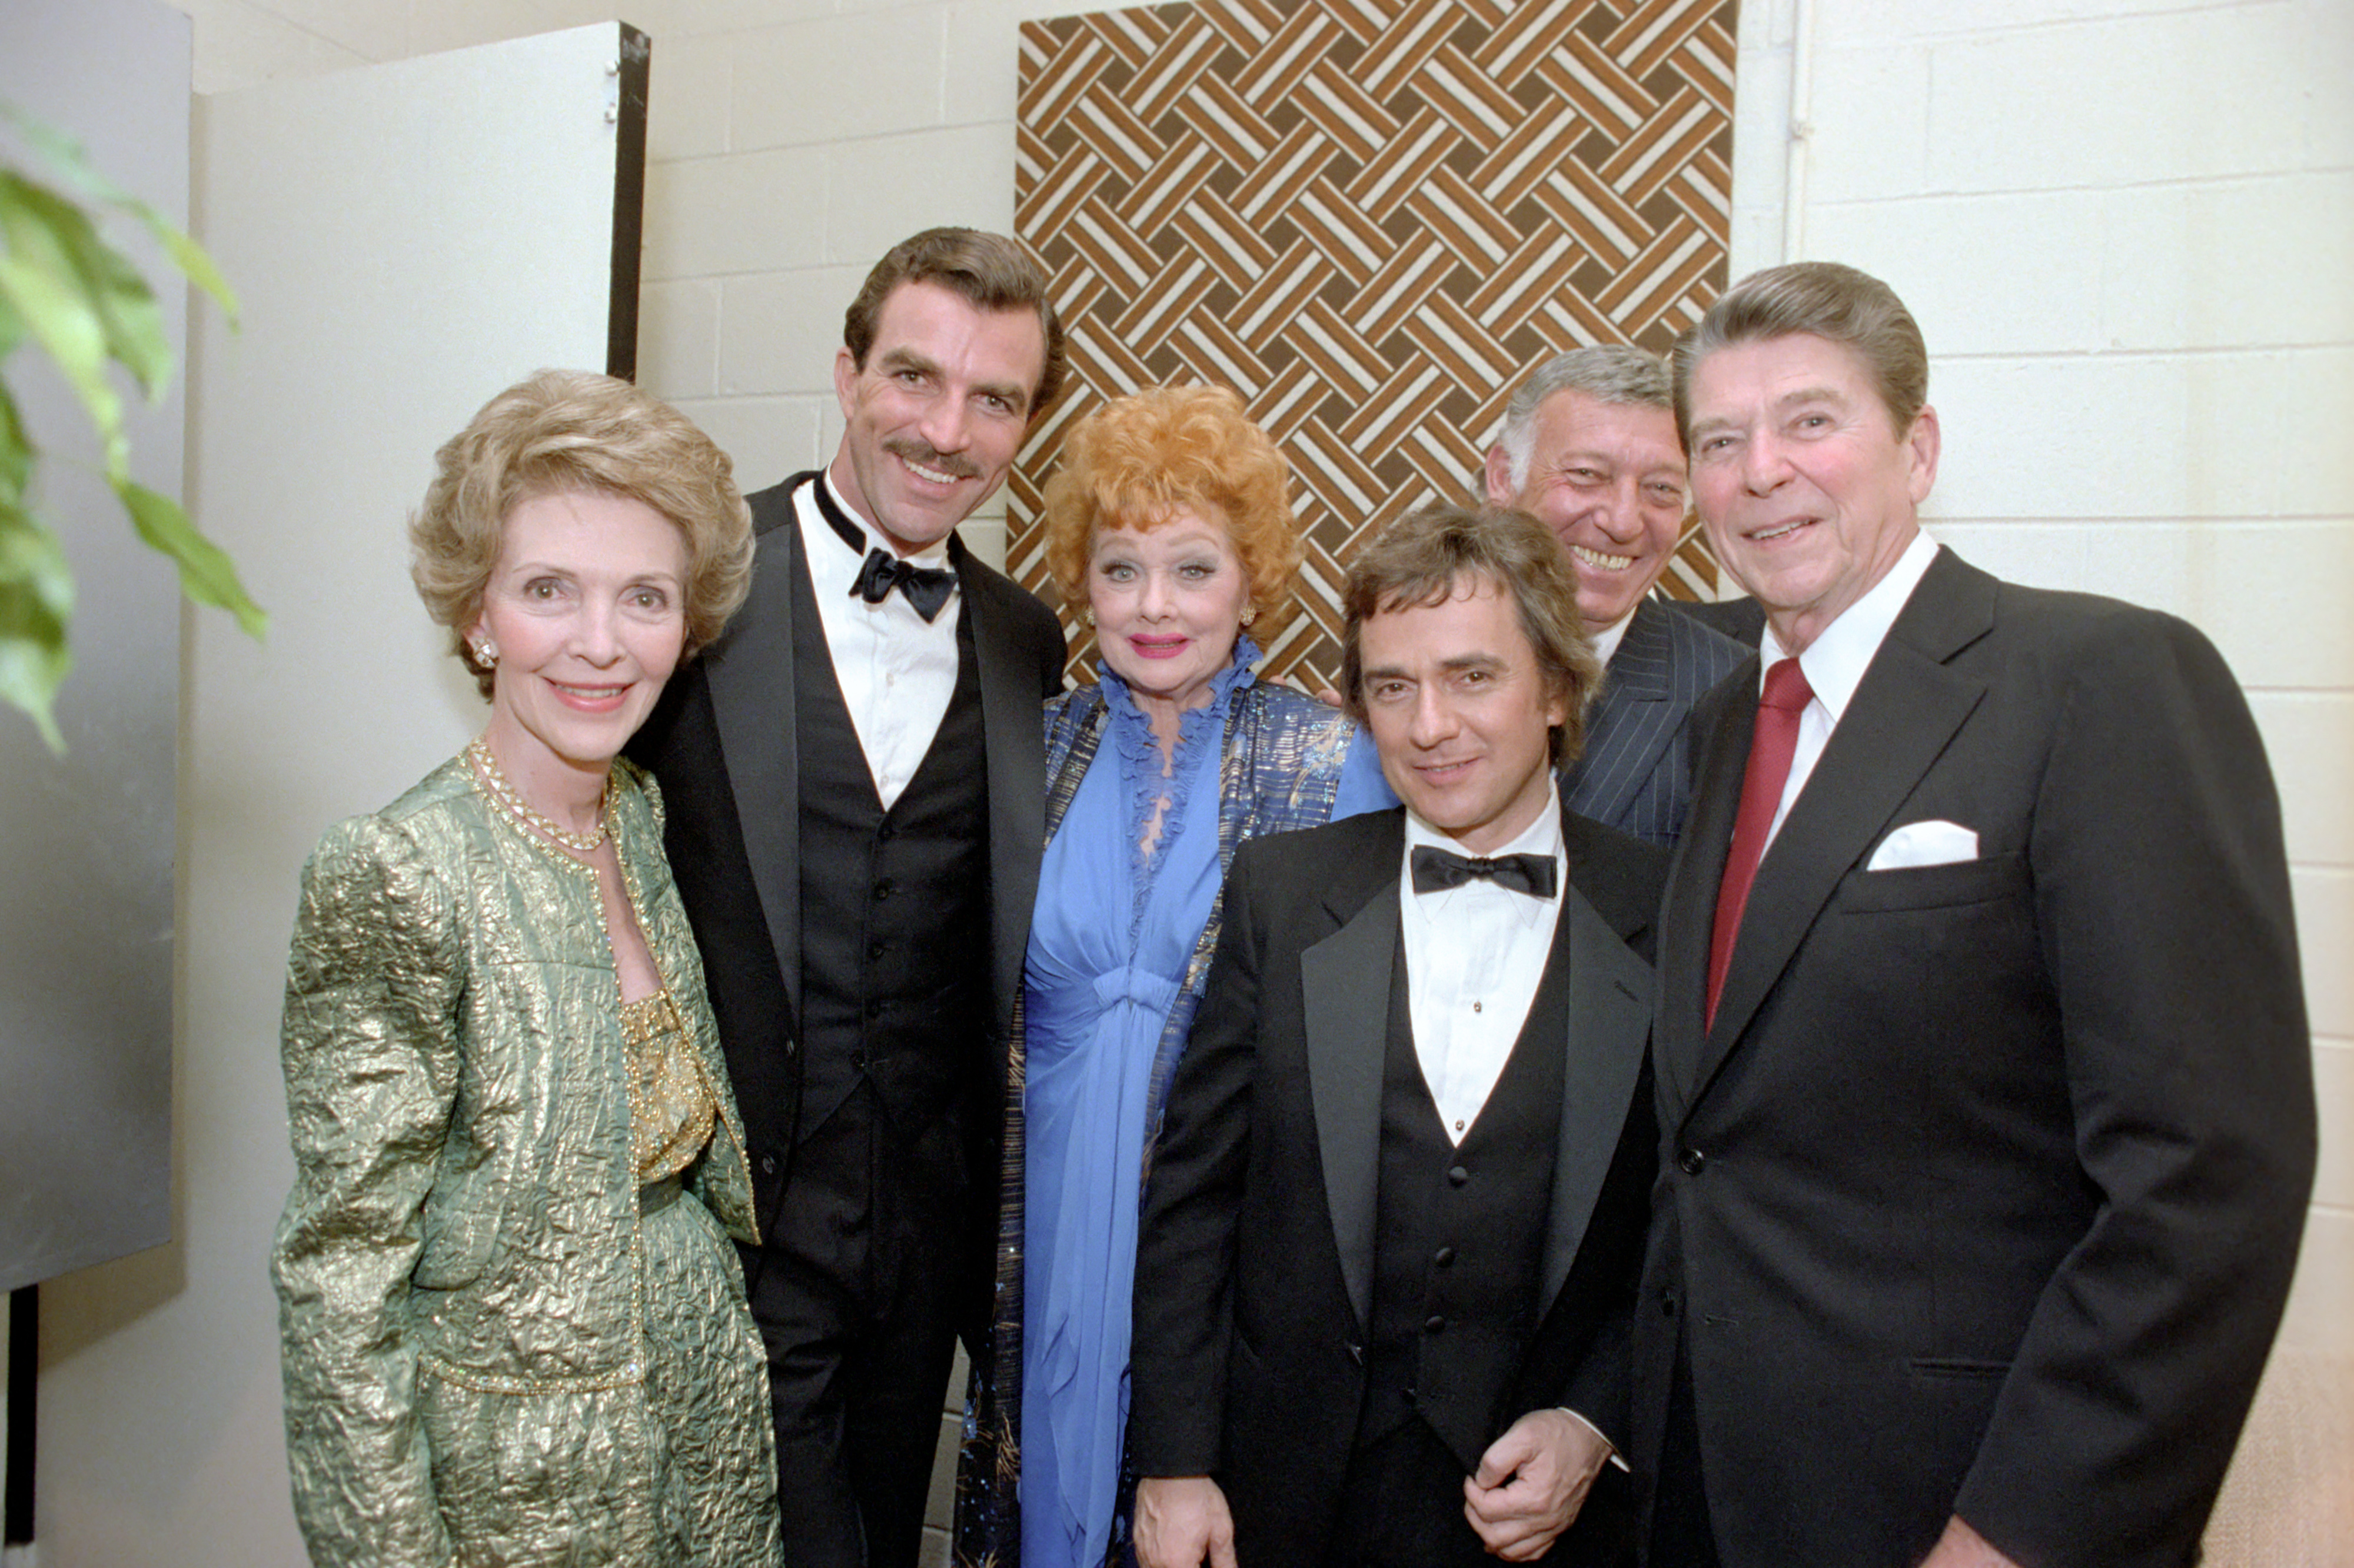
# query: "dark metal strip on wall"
{"type": "Point", "coordinates": [631, 69]}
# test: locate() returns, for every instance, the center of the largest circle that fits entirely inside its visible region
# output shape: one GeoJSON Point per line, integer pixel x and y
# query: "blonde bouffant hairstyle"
{"type": "Point", "coordinates": [1136, 460]}
{"type": "Point", "coordinates": [562, 431]}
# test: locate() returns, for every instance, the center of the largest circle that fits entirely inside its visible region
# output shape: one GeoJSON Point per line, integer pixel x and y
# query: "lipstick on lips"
{"type": "Point", "coordinates": [1158, 647]}
{"type": "Point", "coordinates": [598, 699]}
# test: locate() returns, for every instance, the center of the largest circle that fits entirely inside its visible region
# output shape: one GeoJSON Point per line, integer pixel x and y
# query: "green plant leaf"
{"type": "Point", "coordinates": [39, 280]}
{"type": "Point", "coordinates": [65, 155]}
{"type": "Point", "coordinates": [47, 229]}
{"type": "Point", "coordinates": [192, 258]}
{"type": "Point", "coordinates": [84, 304]}
{"type": "Point", "coordinates": [37, 596]}
{"type": "Point", "coordinates": [206, 575]}
{"type": "Point", "coordinates": [12, 328]}
{"type": "Point", "coordinates": [17, 451]}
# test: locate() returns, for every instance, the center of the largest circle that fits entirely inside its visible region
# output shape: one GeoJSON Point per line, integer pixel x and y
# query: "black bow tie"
{"type": "Point", "coordinates": [1435, 870]}
{"type": "Point", "coordinates": [927, 589]}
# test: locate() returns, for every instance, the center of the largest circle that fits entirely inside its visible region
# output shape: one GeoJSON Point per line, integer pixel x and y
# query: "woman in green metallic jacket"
{"type": "Point", "coordinates": [514, 1325]}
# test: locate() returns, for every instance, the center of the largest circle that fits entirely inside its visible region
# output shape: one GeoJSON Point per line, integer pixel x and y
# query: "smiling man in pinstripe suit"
{"type": "Point", "coordinates": [1589, 449]}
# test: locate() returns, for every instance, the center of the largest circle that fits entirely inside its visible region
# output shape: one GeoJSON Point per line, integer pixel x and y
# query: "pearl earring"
{"type": "Point", "coordinates": [486, 654]}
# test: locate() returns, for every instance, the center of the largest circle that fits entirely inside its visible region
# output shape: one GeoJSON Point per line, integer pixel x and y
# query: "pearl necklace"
{"type": "Point", "coordinates": [510, 801]}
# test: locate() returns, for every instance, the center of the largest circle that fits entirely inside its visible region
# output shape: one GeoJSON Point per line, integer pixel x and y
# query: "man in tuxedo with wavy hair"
{"type": "Point", "coordinates": [1982, 1062]}
{"type": "Point", "coordinates": [856, 781]}
{"type": "Point", "coordinates": [1388, 1255]}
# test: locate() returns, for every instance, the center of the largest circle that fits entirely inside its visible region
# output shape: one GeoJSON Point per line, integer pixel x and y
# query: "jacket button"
{"type": "Point", "coordinates": [1667, 1304]}
{"type": "Point", "coordinates": [883, 889]}
{"type": "Point", "coordinates": [1691, 1161]}
{"type": "Point", "coordinates": [1456, 1176]}
{"type": "Point", "coordinates": [768, 1165]}
{"type": "Point", "coordinates": [876, 949]}
{"type": "Point", "coordinates": [1433, 1324]}
{"type": "Point", "coordinates": [1443, 1257]}
{"type": "Point", "coordinates": [1357, 1354]}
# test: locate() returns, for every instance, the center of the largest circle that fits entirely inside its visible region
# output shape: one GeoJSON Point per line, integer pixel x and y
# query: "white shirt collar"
{"type": "Point", "coordinates": [1834, 663]}
{"type": "Point", "coordinates": [935, 555]}
{"type": "Point", "coordinates": [1540, 837]}
{"type": "Point", "coordinates": [1606, 641]}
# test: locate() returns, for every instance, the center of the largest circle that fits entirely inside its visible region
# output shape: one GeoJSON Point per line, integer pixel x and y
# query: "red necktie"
{"type": "Point", "coordinates": [1771, 748]}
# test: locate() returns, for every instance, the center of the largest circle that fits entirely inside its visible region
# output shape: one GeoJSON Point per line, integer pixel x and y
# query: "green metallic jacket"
{"type": "Point", "coordinates": [459, 1265]}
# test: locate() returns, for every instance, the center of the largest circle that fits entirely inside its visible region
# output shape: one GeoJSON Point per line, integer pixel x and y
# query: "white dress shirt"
{"type": "Point", "coordinates": [896, 670]}
{"type": "Point", "coordinates": [1474, 956]}
{"type": "Point", "coordinates": [1834, 663]}
{"type": "Point", "coordinates": [1606, 641]}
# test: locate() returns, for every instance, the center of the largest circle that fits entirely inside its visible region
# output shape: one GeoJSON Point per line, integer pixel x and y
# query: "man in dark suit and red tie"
{"type": "Point", "coordinates": [1396, 1215]}
{"type": "Point", "coordinates": [1983, 1072]}
{"type": "Point", "coordinates": [855, 779]}
{"type": "Point", "coordinates": [1588, 447]}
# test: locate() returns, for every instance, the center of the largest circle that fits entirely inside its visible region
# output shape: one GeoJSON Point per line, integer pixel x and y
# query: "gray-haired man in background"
{"type": "Point", "coordinates": [1589, 449]}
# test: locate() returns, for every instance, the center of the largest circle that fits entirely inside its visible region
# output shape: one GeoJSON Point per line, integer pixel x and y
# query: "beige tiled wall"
{"type": "Point", "coordinates": [2126, 229]}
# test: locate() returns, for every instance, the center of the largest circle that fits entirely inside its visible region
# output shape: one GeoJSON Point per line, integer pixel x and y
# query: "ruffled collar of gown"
{"type": "Point", "coordinates": [1132, 731]}
{"type": "Point", "coordinates": [1139, 753]}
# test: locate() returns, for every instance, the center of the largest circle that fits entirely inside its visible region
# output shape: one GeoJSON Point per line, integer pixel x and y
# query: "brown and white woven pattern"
{"type": "Point", "coordinates": [1370, 217]}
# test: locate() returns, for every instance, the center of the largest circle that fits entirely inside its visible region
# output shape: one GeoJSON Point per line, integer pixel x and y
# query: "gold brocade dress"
{"type": "Point", "coordinates": [694, 1296]}
{"type": "Point", "coordinates": [512, 1324]}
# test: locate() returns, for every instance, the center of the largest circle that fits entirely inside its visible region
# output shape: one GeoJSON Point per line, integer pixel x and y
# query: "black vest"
{"type": "Point", "coordinates": [1460, 1230]}
{"type": "Point", "coordinates": [894, 905]}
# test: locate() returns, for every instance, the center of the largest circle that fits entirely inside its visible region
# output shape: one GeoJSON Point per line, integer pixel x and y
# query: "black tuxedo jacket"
{"type": "Point", "coordinates": [1254, 1281]}
{"type": "Point", "coordinates": [1636, 772]}
{"type": "Point", "coordinates": [1983, 1194]}
{"type": "Point", "coordinates": [721, 743]}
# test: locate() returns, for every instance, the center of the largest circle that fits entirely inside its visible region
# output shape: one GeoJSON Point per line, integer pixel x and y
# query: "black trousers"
{"type": "Point", "coordinates": [1681, 1534]}
{"type": "Point", "coordinates": [858, 1290]}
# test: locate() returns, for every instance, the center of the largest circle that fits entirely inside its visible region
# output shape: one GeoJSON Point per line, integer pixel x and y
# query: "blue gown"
{"type": "Point", "coordinates": [1116, 926]}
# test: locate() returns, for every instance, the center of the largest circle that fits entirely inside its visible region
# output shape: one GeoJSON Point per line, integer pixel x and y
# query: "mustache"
{"type": "Point", "coordinates": [915, 449]}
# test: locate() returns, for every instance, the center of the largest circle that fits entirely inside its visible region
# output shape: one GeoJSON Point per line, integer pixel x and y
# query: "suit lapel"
{"type": "Point", "coordinates": [1345, 983]}
{"type": "Point", "coordinates": [1689, 908]}
{"type": "Point", "coordinates": [1609, 1017]}
{"type": "Point", "coordinates": [753, 712]}
{"type": "Point", "coordinates": [1630, 726]}
{"type": "Point", "coordinates": [1013, 723]}
{"type": "Point", "coordinates": [1903, 714]}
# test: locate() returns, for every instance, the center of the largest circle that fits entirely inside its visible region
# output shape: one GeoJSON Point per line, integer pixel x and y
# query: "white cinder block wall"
{"type": "Point", "coordinates": [2127, 226]}
{"type": "Point", "coordinates": [2128, 229]}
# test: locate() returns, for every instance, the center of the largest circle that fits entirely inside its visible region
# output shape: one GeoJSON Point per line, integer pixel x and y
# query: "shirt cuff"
{"type": "Point", "coordinates": [1598, 1431]}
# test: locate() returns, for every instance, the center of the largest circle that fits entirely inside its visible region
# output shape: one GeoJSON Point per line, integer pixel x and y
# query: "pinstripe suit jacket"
{"type": "Point", "coordinates": [1636, 772]}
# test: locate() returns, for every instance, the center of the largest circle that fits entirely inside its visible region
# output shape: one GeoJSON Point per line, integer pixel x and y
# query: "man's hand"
{"type": "Point", "coordinates": [1329, 697]}
{"type": "Point", "coordinates": [1531, 1482]}
{"type": "Point", "coordinates": [1962, 1547]}
{"type": "Point", "coordinates": [1182, 1522]}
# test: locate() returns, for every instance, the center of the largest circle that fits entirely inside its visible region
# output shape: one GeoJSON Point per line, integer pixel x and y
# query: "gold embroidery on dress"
{"type": "Point", "coordinates": [672, 1109]}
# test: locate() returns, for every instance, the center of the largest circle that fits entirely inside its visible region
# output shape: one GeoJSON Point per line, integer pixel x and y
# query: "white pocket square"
{"type": "Point", "coordinates": [1924, 843]}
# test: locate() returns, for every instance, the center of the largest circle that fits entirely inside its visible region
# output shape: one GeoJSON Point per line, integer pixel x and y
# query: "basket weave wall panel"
{"type": "Point", "coordinates": [1371, 218]}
